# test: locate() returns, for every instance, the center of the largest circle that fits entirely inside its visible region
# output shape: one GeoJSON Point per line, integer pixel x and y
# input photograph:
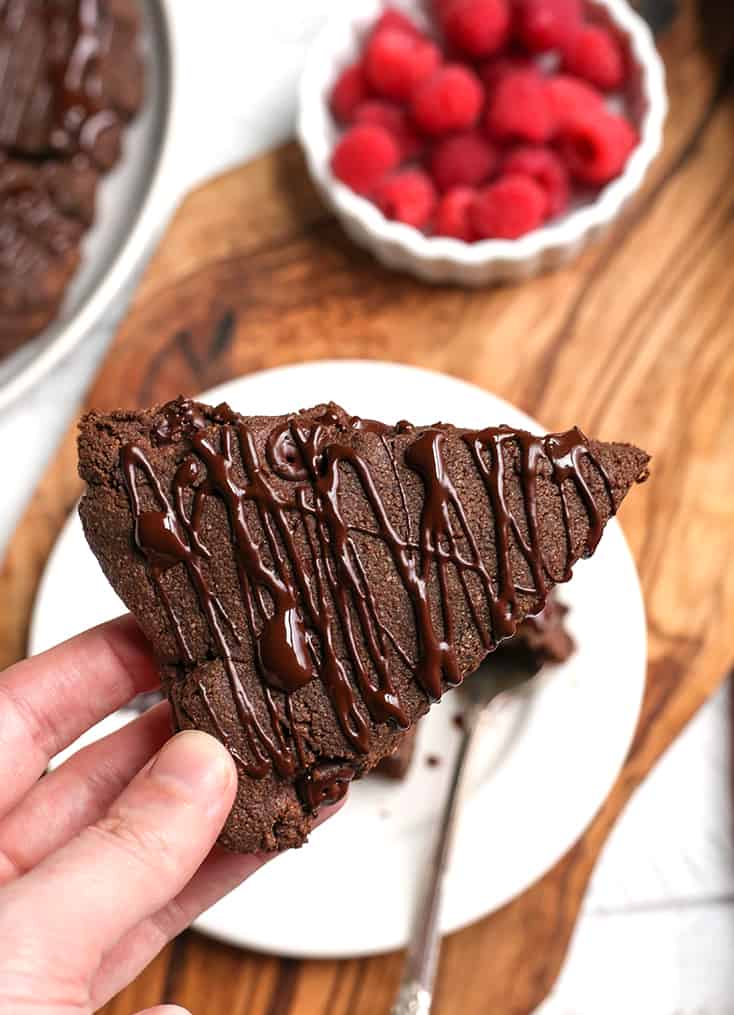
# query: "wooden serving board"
{"type": "Point", "coordinates": [634, 342]}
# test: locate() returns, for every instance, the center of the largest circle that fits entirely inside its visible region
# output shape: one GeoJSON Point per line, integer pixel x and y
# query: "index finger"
{"type": "Point", "coordinates": [46, 702]}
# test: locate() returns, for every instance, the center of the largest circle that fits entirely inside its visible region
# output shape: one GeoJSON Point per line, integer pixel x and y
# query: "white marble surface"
{"type": "Point", "coordinates": [657, 933]}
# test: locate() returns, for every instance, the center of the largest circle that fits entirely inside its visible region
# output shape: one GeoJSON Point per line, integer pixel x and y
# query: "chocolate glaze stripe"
{"type": "Point", "coordinates": [296, 608]}
{"type": "Point", "coordinates": [337, 565]}
{"type": "Point", "coordinates": [166, 539]}
{"type": "Point", "coordinates": [564, 453]}
{"type": "Point", "coordinates": [79, 117]}
{"type": "Point", "coordinates": [324, 785]}
{"type": "Point", "coordinates": [273, 517]}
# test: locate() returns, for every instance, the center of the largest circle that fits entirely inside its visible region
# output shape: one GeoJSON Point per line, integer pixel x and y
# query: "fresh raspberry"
{"type": "Point", "coordinates": [453, 214]}
{"type": "Point", "coordinates": [547, 24]}
{"type": "Point", "coordinates": [543, 166]}
{"type": "Point", "coordinates": [350, 89]}
{"type": "Point", "coordinates": [595, 55]}
{"type": "Point", "coordinates": [395, 20]}
{"type": "Point", "coordinates": [494, 70]}
{"type": "Point", "coordinates": [395, 119]}
{"type": "Point", "coordinates": [396, 62]}
{"type": "Point", "coordinates": [476, 28]}
{"type": "Point", "coordinates": [450, 100]}
{"type": "Point", "coordinates": [462, 160]}
{"type": "Point", "coordinates": [509, 208]}
{"type": "Point", "coordinates": [571, 98]}
{"type": "Point", "coordinates": [596, 148]}
{"type": "Point", "coordinates": [407, 196]}
{"type": "Point", "coordinates": [519, 107]}
{"type": "Point", "coordinates": [364, 156]}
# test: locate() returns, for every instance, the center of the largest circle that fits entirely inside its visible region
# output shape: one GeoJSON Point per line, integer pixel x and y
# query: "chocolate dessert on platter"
{"type": "Point", "coordinates": [312, 582]}
{"type": "Point", "coordinates": [70, 79]}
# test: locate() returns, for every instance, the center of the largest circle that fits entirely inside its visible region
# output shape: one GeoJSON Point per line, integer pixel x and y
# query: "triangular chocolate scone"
{"type": "Point", "coordinates": [310, 583]}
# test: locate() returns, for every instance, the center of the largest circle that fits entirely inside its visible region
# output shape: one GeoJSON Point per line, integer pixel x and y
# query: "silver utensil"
{"type": "Point", "coordinates": [507, 670]}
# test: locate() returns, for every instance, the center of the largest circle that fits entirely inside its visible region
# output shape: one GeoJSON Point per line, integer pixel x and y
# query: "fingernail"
{"type": "Point", "coordinates": [165, 1009]}
{"type": "Point", "coordinates": [196, 762]}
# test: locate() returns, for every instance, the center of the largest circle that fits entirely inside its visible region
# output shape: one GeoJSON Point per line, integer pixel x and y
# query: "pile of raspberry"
{"type": "Point", "coordinates": [491, 127]}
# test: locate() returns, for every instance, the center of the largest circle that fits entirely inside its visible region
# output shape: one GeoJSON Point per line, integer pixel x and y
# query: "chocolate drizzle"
{"type": "Point", "coordinates": [80, 115]}
{"type": "Point", "coordinates": [563, 452]}
{"type": "Point", "coordinates": [180, 419]}
{"type": "Point", "coordinates": [324, 784]}
{"type": "Point", "coordinates": [76, 39]}
{"type": "Point", "coordinates": [310, 610]}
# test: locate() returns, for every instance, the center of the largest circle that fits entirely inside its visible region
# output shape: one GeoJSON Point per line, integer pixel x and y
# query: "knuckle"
{"type": "Point", "coordinates": [31, 721]}
{"type": "Point", "coordinates": [170, 920]}
{"type": "Point", "coordinates": [142, 843]}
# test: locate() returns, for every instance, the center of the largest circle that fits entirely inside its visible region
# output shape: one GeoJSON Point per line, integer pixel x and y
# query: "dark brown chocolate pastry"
{"type": "Point", "coordinates": [70, 78]}
{"type": "Point", "coordinates": [311, 583]}
{"type": "Point", "coordinates": [543, 637]}
{"type": "Point", "coordinates": [396, 765]}
{"type": "Point", "coordinates": [40, 236]}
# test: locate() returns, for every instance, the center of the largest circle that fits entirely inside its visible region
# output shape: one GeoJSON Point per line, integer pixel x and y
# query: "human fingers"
{"type": "Point", "coordinates": [47, 701]}
{"type": "Point", "coordinates": [219, 874]}
{"type": "Point", "coordinates": [79, 792]}
{"type": "Point", "coordinates": [131, 862]}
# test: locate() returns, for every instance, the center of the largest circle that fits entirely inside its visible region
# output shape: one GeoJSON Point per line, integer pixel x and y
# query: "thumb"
{"type": "Point", "coordinates": [165, 1009]}
{"type": "Point", "coordinates": [138, 857]}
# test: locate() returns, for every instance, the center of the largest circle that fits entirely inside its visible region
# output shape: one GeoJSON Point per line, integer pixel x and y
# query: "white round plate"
{"type": "Point", "coordinates": [552, 756]}
{"type": "Point", "coordinates": [133, 203]}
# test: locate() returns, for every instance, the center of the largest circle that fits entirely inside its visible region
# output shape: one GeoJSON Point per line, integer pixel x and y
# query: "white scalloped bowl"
{"type": "Point", "coordinates": [441, 259]}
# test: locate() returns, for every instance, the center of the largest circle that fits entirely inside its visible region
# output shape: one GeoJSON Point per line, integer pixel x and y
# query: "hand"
{"type": "Point", "coordinates": [109, 856]}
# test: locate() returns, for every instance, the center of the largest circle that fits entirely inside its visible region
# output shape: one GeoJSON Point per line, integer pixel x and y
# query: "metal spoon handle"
{"type": "Point", "coordinates": [415, 995]}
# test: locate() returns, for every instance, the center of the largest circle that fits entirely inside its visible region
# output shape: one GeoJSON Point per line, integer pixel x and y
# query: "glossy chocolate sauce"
{"type": "Point", "coordinates": [324, 784]}
{"type": "Point", "coordinates": [179, 420]}
{"type": "Point", "coordinates": [80, 115]}
{"type": "Point", "coordinates": [301, 608]}
{"type": "Point", "coordinates": [76, 38]}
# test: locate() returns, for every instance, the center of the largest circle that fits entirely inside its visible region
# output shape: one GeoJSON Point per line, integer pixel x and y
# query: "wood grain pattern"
{"type": "Point", "coordinates": [634, 341]}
